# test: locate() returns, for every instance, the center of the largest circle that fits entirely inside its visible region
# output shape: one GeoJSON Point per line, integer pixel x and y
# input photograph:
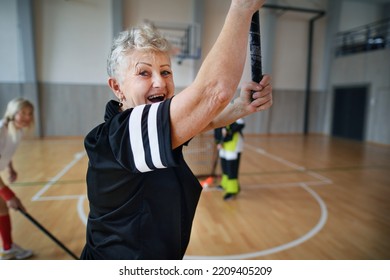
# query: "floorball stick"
{"type": "Point", "coordinates": [35, 222]}
{"type": "Point", "coordinates": [255, 48]}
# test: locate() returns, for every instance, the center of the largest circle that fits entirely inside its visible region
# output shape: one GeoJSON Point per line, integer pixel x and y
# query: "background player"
{"type": "Point", "coordinates": [230, 144]}
{"type": "Point", "coordinates": [19, 115]}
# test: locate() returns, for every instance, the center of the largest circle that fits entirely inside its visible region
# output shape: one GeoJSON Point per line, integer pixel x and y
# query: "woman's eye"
{"type": "Point", "coordinates": [165, 73]}
{"type": "Point", "coordinates": [144, 73]}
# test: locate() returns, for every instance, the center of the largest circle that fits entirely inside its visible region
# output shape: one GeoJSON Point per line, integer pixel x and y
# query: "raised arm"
{"type": "Point", "coordinates": [193, 109]}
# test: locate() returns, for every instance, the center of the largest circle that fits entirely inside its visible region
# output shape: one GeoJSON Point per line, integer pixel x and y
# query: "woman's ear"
{"type": "Point", "coordinates": [114, 85]}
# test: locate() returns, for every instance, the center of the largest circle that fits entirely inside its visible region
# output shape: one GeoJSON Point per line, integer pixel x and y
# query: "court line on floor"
{"type": "Point", "coordinates": [290, 164]}
{"type": "Point", "coordinates": [320, 224]}
{"type": "Point", "coordinates": [296, 242]}
{"type": "Point", "coordinates": [38, 195]}
{"type": "Point", "coordinates": [80, 210]}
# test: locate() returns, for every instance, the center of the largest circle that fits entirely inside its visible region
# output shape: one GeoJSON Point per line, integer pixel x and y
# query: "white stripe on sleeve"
{"type": "Point", "coordinates": [153, 136]}
{"type": "Point", "coordinates": [136, 143]}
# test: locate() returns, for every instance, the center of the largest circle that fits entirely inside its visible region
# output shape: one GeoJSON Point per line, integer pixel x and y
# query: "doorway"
{"type": "Point", "coordinates": [349, 112]}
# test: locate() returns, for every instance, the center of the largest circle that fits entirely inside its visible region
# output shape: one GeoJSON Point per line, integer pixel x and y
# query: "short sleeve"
{"type": "Point", "coordinates": [146, 145]}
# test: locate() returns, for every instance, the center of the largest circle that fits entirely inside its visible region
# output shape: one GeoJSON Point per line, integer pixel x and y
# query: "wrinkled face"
{"type": "Point", "coordinates": [23, 118]}
{"type": "Point", "coordinates": [146, 78]}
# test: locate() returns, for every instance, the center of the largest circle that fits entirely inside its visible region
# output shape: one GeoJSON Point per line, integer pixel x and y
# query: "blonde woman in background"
{"type": "Point", "coordinates": [18, 116]}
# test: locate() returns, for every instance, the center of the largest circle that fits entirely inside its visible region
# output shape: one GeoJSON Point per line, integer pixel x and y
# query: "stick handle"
{"type": "Point", "coordinates": [255, 48]}
{"type": "Point", "coordinates": [36, 223]}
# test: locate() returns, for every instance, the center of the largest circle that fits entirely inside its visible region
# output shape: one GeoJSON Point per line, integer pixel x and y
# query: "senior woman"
{"type": "Point", "coordinates": [142, 195]}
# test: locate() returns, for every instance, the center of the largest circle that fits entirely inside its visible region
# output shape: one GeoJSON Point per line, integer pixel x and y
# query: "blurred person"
{"type": "Point", "coordinates": [18, 116]}
{"type": "Point", "coordinates": [230, 144]}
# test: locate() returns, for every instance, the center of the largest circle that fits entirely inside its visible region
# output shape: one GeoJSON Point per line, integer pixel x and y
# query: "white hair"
{"type": "Point", "coordinates": [145, 38]}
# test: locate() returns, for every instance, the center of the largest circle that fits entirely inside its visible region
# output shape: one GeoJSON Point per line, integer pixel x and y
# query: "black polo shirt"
{"type": "Point", "coordinates": [142, 195]}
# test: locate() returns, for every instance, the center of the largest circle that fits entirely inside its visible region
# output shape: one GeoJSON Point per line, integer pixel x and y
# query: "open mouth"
{"type": "Point", "coordinates": [156, 98]}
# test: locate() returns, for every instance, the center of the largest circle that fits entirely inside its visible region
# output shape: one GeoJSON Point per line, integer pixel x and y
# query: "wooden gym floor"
{"type": "Point", "coordinates": [302, 198]}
